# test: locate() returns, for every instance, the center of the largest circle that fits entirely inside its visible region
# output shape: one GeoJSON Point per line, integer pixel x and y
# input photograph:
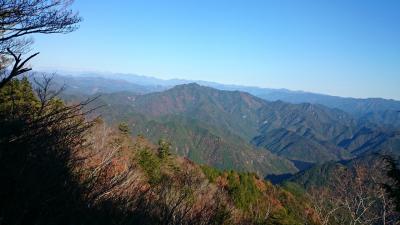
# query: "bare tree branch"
{"type": "Point", "coordinates": [19, 19]}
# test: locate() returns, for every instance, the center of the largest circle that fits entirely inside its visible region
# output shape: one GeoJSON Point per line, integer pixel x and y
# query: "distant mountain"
{"type": "Point", "coordinates": [302, 132]}
{"type": "Point", "coordinates": [234, 112]}
{"type": "Point", "coordinates": [89, 85]}
{"type": "Point", "coordinates": [132, 78]}
{"type": "Point", "coordinates": [227, 128]}
{"type": "Point", "coordinates": [355, 106]}
{"type": "Point", "coordinates": [390, 118]}
{"type": "Point", "coordinates": [305, 132]}
{"type": "Point", "coordinates": [314, 133]}
{"type": "Point", "coordinates": [199, 133]}
{"type": "Point", "coordinates": [254, 120]}
{"type": "Point", "coordinates": [369, 139]}
{"type": "Point", "coordinates": [320, 175]}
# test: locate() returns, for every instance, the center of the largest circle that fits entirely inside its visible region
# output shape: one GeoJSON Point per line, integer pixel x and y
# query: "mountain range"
{"type": "Point", "coordinates": [238, 130]}
{"type": "Point", "coordinates": [386, 110]}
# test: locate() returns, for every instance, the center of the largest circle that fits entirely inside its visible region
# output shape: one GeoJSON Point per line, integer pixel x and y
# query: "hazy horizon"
{"type": "Point", "coordinates": [341, 48]}
{"type": "Point", "coordinates": [109, 75]}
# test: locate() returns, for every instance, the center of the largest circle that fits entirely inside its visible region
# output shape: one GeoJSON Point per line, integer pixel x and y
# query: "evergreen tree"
{"type": "Point", "coordinates": [164, 148]}
{"type": "Point", "coordinates": [38, 136]}
{"type": "Point", "coordinates": [123, 128]}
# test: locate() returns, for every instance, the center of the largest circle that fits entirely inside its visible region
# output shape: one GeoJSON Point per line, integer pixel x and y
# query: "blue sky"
{"type": "Point", "coordinates": [340, 47]}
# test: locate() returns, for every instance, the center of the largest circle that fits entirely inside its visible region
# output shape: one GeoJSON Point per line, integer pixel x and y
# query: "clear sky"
{"type": "Point", "coordinates": [338, 47]}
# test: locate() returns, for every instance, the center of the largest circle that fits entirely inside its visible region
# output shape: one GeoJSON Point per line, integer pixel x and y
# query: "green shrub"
{"type": "Point", "coordinates": [164, 149]}
{"type": "Point", "coordinates": [243, 190]}
{"type": "Point", "coordinates": [151, 165]}
{"type": "Point", "coordinates": [123, 128]}
{"type": "Point", "coordinates": [210, 172]}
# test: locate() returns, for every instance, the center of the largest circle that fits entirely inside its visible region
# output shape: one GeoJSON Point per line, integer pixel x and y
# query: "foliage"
{"type": "Point", "coordinates": [164, 149]}
{"type": "Point", "coordinates": [19, 19]}
{"type": "Point", "coordinates": [240, 186]}
{"type": "Point", "coordinates": [38, 136]}
{"type": "Point", "coordinates": [393, 172]}
{"type": "Point", "coordinates": [123, 128]}
{"type": "Point", "coordinates": [356, 194]}
{"type": "Point", "coordinates": [243, 189]}
{"type": "Point", "coordinates": [211, 173]}
{"type": "Point", "coordinates": [151, 164]}
{"type": "Point", "coordinates": [259, 201]}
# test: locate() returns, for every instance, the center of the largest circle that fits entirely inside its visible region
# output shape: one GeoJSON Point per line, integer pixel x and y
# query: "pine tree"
{"type": "Point", "coordinates": [164, 149]}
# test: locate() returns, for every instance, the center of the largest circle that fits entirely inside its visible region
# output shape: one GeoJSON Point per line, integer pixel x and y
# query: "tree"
{"type": "Point", "coordinates": [19, 19]}
{"type": "Point", "coordinates": [394, 173]}
{"type": "Point", "coordinates": [123, 128]}
{"type": "Point", "coordinates": [164, 149]}
{"type": "Point", "coordinates": [356, 195]}
{"type": "Point", "coordinates": [39, 136]}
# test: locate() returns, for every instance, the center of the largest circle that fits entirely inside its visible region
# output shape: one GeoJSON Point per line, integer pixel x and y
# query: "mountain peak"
{"type": "Point", "coordinates": [193, 88]}
{"type": "Point", "coordinates": [189, 85]}
{"type": "Point", "coordinates": [193, 84]}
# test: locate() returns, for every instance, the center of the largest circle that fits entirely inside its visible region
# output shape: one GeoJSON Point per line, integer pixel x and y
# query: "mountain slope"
{"type": "Point", "coordinates": [190, 137]}
{"type": "Point", "coordinates": [355, 106]}
{"type": "Point", "coordinates": [254, 119]}
{"type": "Point", "coordinates": [390, 118]}
{"type": "Point", "coordinates": [236, 112]}
{"type": "Point", "coordinates": [225, 151]}
{"type": "Point", "coordinates": [217, 127]}
{"type": "Point", "coordinates": [305, 132]}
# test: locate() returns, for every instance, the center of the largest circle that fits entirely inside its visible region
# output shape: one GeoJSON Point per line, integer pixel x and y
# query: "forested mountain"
{"type": "Point", "coordinates": [107, 176]}
{"type": "Point", "coordinates": [226, 129]}
{"type": "Point", "coordinates": [354, 106]}
{"type": "Point", "coordinates": [60, 168]}
{"type": "Point", "coordinates": [377, 110]}
{"type": "Point", "coordinates": [390, 118]}
{"type": "Point", "coordinates": [200, 125]}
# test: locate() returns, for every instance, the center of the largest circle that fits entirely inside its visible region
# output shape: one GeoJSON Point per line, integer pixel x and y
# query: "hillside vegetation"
{"type": "Point", "coordinates": [106, 177]}
{"type": "Point", "coordinates": [227, 129]}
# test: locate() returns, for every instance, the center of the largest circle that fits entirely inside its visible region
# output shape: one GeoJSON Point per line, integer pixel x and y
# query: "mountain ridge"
{"type": "Point", "coordinates": [358, 107]}
{"type": "Point", "coordinates": [190, 113]}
